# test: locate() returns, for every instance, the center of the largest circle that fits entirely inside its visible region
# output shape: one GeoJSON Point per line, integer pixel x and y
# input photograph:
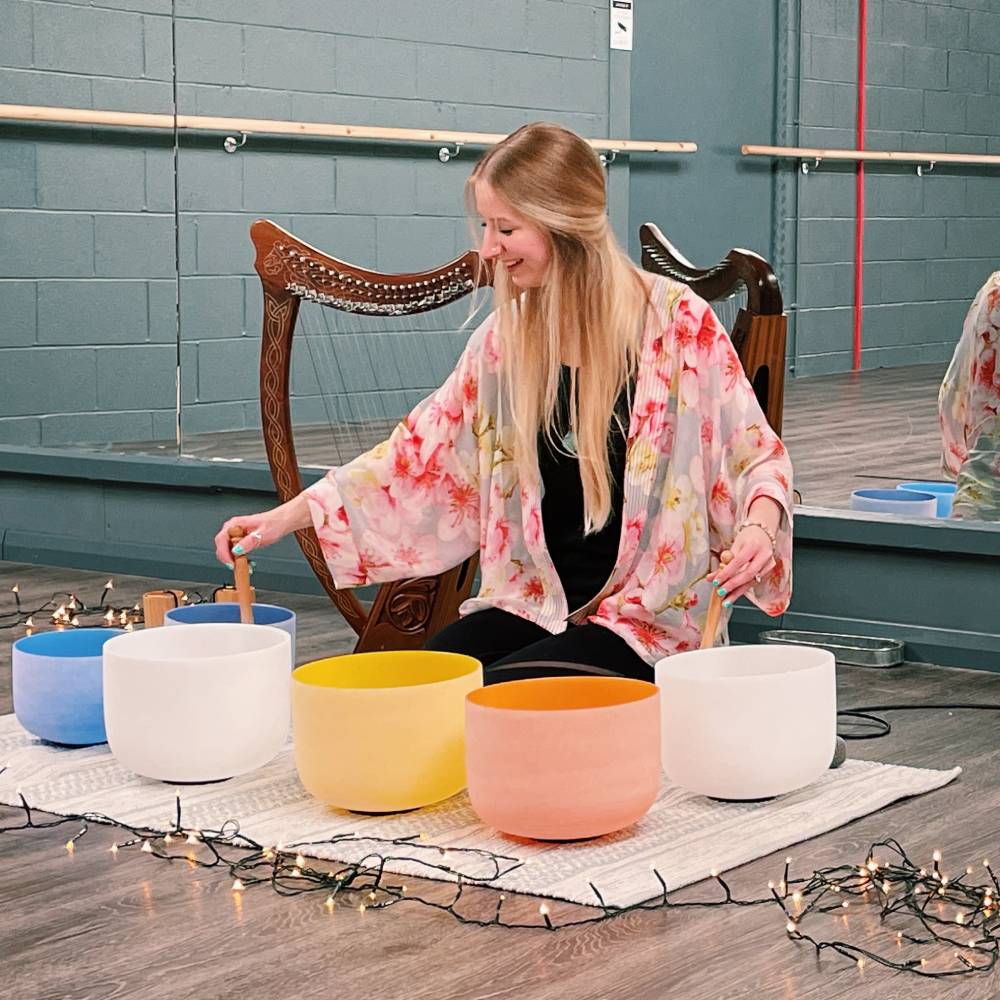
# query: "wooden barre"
{"type": "Point", "coordinates": [868, 155]}
{"type": "Point", "coordinates": [134, 119]}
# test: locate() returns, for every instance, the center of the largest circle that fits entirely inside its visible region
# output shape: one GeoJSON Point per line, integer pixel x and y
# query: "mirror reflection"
{"type": "Point", "coordinates": [133, 310]}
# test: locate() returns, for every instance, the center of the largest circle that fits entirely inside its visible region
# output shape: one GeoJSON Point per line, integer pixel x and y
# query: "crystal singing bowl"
{"type": "Point", "coordinates": [226, 611]}
{"type": "Point", "coordinates": [197, 703]}
{"type": "Point", "coordinates": [57, 685]}
{"type": "Point", "coordinates": [383, 732]}
{"type": "Point", "coordinates": [748, 722]}
{"type": "Point", "coordinates": [945, 493]}
{"type": "Point", "coordinates": [907, 503]}
{"type": "Point", "coordinates": [562, 758]}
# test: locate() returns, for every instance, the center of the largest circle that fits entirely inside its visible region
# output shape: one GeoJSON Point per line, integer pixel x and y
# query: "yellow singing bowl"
{"type": "Point", "coordinates": [381, 732]}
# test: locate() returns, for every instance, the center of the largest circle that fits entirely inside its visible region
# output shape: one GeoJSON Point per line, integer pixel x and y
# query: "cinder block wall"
{"type": "Point", "coordinates": [88, 350]}
{"type": "Point", "coordinates": [933, 75]}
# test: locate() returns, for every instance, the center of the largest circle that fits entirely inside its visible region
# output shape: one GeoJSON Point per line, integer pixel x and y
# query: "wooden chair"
{"type": "Point", "coordinates": [760, 327]}
{"type": "Point", "coordinates": [404, 613]}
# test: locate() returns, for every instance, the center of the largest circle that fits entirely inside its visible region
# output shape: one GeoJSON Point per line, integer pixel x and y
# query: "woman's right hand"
{"type": "Point", "coordinates": [261, 529]}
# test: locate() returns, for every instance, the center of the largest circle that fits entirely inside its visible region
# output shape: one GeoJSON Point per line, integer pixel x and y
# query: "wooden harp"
{"type": "Point", "coordinates": [404, 613]}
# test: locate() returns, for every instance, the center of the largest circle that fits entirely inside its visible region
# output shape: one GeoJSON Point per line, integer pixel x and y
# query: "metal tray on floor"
{"type": "Point", "coordinates": [855, 650]}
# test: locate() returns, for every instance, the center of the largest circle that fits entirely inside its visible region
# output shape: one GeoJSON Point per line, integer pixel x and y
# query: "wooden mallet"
{"type": "Point", "coordinates": [711, 620]}
{"type": "Point", "coordinates": [241, 578]}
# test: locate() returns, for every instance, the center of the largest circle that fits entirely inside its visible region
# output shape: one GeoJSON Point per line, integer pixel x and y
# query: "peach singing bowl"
{"type": "Point", "coordinates": [382, 732]}
{"type": "Point", "coordinates": [561, 758]}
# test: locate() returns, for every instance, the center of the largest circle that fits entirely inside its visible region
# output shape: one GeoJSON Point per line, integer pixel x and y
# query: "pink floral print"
{"type": "Point", "coordinates": [445, 485]}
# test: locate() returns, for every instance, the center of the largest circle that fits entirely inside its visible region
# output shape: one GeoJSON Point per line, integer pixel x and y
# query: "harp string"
{"type": "Point", "coordinates": [726, 309]}
{"type": "Point", "coordinates": [354, 377]}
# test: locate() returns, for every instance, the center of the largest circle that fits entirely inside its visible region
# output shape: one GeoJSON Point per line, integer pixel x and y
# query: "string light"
{"type": "Point", "coordinates": [70, 611]}
{"type": "Point", "coordinates": [249, 864]}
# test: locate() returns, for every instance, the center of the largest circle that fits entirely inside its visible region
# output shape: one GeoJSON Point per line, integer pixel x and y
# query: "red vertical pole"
{"type": "Point", "coordinates": [859, 188]}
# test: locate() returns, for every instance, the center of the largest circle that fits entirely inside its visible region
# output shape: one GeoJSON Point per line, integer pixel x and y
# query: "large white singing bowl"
{"type": "Point", "coordinates": [747, 722]}
{"type": "Point", "coordinates": [197, 703]}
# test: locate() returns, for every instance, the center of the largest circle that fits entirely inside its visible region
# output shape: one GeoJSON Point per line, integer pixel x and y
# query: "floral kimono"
{"type": "Point", "coordinates": [445, 485]}
{"type": "Point", "coordinates": [968, 405]}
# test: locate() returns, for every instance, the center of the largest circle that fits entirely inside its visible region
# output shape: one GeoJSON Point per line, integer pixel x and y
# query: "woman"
{"type": "Point", "coordinates": [969, 409]}
{"type": "Point", "coordinates": [597, 443]}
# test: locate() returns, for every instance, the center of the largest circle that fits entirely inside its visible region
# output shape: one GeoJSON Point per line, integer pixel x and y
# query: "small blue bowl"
{"type": "Point", "coordinates": [906, 503]}
{"type": "Point", "coordinates": [263, 614]}
{"type": "Point", "coordinates": [58, 685]}
{"type": "Point", "coordinates": [945, 493]}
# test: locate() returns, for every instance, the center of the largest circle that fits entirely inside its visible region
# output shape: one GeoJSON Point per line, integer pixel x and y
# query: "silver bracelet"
{"type": "Point", "coordinates": [763, 527]}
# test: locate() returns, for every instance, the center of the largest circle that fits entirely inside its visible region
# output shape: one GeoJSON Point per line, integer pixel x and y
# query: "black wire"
{"type": "Point", "coordinates": [881, 727]}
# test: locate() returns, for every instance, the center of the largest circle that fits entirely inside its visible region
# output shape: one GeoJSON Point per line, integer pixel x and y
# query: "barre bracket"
{"type": "Point", "coordinates": [230, 145]}
{"type": "Point", "coordinates": [445, 154]}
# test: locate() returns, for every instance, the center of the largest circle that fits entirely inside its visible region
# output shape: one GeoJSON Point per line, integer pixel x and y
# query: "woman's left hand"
{"type": "Point", "coordinates": [743, 565]}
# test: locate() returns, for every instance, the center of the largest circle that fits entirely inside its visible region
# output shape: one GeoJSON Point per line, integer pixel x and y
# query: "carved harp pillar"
{"type": "Point", "coordinates": [761, 327]}
{"type": "Point", "coordinates": [406, 612]}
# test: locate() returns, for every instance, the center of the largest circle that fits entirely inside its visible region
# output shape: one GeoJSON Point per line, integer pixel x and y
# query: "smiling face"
{"type": "Point", "coordinates": [515, 242]}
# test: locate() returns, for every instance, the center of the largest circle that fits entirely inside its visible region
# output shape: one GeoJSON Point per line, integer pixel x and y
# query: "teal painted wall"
{"type": "Point", "coordinates": [705, 71]}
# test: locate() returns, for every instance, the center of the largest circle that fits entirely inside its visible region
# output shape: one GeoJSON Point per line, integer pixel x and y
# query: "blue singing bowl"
{"type": "Point", "coordinates": [263, 614]}
{"type": "Point", "coordinates": [945, 493]}
{"type": "Point", "coordinates": [906, 503]}
{"type": "Point", "coordinates": [58, 685]}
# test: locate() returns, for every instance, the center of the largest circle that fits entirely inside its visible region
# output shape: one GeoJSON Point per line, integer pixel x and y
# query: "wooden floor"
{"type": "Point", "coordinates": [844, 432]}
{"type": "Point", "coordinates": [870, 429]}
{"type": "Point", "coordinates": [89, 926]}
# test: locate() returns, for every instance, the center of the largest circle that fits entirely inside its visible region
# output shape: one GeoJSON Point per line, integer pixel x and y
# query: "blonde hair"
{"type": "Point", "coordinates": [593, 297]}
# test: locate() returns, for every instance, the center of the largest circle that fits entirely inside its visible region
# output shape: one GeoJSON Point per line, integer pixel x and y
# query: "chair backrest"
{"type": "Point", "coordinates": [291, 271]}
{"type": "Point", "coordinates": [760, 328]}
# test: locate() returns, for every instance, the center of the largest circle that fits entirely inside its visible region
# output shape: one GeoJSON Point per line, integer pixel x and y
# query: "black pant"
{"type": "Point", "coordinates": [512, 648]}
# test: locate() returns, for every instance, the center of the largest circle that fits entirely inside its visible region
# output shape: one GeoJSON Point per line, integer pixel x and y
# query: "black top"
{"type": "Point", "coordinates": [583, 563]}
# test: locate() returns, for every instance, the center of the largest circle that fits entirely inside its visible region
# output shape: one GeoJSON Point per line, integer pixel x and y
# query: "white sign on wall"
{"type": "Point", "coordinates": [621, 24]}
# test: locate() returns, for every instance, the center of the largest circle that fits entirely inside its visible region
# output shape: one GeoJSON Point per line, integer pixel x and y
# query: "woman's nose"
{"type": "Point", "coordinates": [490, 248]}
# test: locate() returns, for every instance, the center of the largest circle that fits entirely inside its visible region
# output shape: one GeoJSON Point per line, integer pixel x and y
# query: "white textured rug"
{"type": "Point", "coordinates": [684, 836]}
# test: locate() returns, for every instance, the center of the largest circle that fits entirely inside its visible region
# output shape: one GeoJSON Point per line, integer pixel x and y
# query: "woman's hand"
{"type": "Point", "coordinates": [261, 529]}
{"type": "Point", "coordinates": [752, 551]}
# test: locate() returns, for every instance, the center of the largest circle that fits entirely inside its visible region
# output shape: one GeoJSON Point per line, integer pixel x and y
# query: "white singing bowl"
{"type": "Point", "coordinates": [747, 722]}
{"type": "Point", "coordinates": [197, 703]}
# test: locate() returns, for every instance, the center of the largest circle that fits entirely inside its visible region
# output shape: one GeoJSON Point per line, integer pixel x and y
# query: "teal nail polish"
{"type": "Point", "coordinates": [230, 566]}
{"type": "Point", "coordinates": [715, 583]}
{"type": "Point", "coordinates": [238, 550]}
{"type": "Point", "coordinates": [723, 592]}
{"type": "Point", "coordinates": [727, 604]}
